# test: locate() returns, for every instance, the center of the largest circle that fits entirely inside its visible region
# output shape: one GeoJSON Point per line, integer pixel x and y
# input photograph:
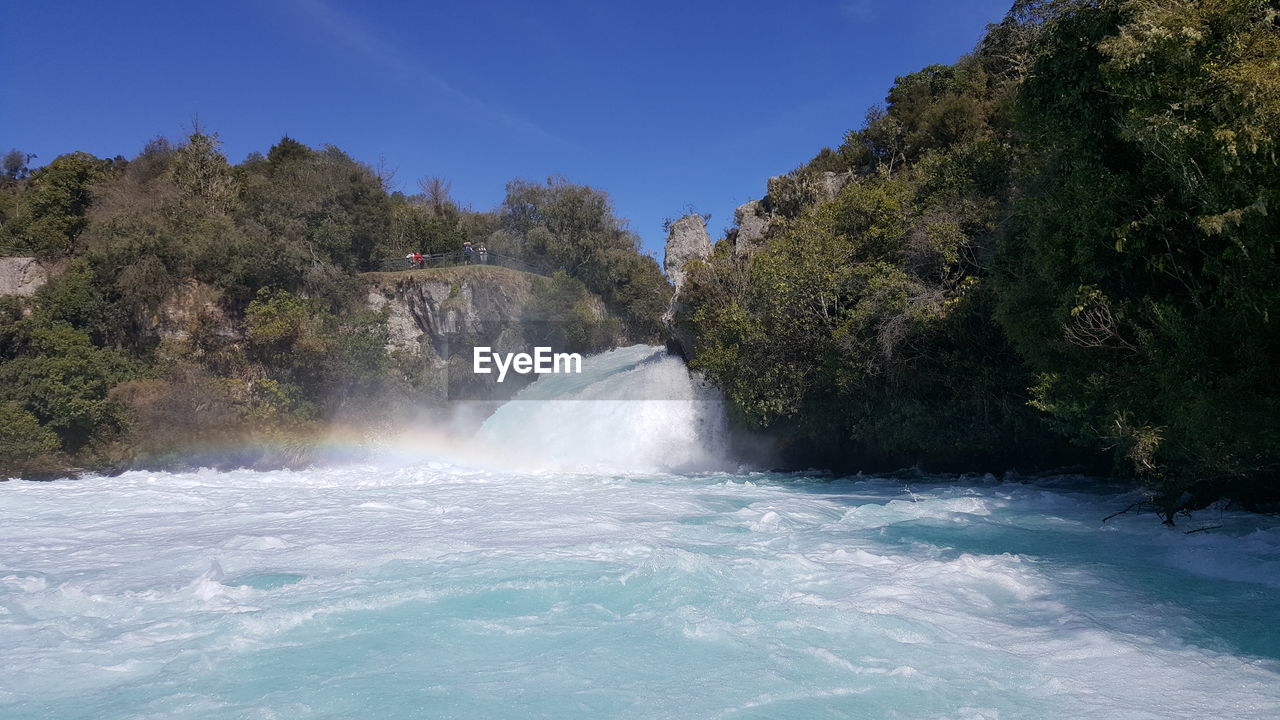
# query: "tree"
{"type": "Point", "coordinates": [560, 225]}
{"type": "Point", "coordinates": [435, 194]}
{"type": "Point", "coordinates": [1141, 287]}
{"type": "Point", "coordinates": [52, 209]}
{"type": "Point", "coordinates": [14, 165]}
{"type": "Point", "coordinates": [306, 206]}
{"type": "Point", "coordinates": [64, 381]}
{"type": "Point", "coordinates": [201, 171]}
{"type": "Point", "coordinates": [25, 445]}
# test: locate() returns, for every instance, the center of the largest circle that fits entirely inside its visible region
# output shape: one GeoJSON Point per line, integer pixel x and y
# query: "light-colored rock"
{"type": "Point", "coordinates": [22, 275]}
{"type": "Point", "coordinates": [192, 303]}
{"type": "Point", "coordinates": [788, 195]}
{"type": "Point", "coordinates": [686, 240]}
{"type": "Point", "coordinates": [427, 310]}
{"type": "Point", "coordinates": [752, 224]}
{"type": "Point", "coordinates": [829, 184]}
{"type": "Point", "coordinates": [438, 315]}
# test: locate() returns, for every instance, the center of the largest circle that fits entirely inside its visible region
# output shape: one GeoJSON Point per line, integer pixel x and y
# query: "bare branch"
{"type": "Point", "coordinates": [435, 192]}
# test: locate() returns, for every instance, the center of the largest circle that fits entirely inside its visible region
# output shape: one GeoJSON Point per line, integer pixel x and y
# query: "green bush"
{"type": "Point", "coordinates": [52, 208]}
{"type": "Point", "coordinates": [559, 225]}
{"type": "Point", "coordinates": [62, 379]}
{"type": "Point", "coordinates": [25, 445]}
{"type": "Point", "coordinates": [563, 315]}
{"type": "Point", "coordinates": [332, 358]}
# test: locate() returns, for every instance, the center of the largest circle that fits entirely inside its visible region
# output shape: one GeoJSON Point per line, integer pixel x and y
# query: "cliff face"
{"type": "Point", "coordinates": [429, 310]}
{"type": "Point", "coordinates": [687, 239]}
{"type": "Point", "coordinates": [22, 275]}
{"type": "Point", "coordinates": [190, 305]}
{"type": "Point", "coordinates": [440, 314]}
{"type": "Point", "coordinates": [786, 196]}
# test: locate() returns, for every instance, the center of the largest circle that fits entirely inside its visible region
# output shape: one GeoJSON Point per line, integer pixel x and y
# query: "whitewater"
{"type": "Point", "coordinates": [524, 577]}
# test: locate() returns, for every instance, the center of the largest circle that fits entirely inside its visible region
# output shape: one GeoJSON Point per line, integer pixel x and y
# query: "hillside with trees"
{"type": "Point", "coordinates": [195, 305]}
{"type": "Point", "coordinates": [1059, 251]}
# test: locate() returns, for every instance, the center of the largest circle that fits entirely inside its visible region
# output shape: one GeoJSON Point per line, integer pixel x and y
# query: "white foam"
{"type": "Point", "coordinates": [596, 595]}
{"type": "Point", "coordinates": [633, 409]}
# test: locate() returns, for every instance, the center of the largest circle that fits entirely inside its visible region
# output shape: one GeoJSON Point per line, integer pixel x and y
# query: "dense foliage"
{"type": "Point", "coordinates": [572, 228]}
{"type": "Point", "coordinates": [197, 305]}
{"type": "Point", "coordinates": [1068, 235]}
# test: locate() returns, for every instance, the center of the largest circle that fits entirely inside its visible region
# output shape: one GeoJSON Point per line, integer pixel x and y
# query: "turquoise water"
{"type": "Point", "coordinates": [430, 590]}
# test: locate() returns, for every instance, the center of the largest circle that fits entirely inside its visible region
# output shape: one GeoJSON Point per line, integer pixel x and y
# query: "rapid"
{"type": "Point", "coordinates": [596, 554]}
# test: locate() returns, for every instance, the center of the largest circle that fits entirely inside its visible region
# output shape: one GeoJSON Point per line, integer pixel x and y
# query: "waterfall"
{"type": "Point", "coordinates": [633, 409]}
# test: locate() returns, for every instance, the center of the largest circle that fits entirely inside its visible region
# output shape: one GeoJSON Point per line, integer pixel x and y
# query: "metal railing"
{"type": "Point", "coordinates": [454, 259]}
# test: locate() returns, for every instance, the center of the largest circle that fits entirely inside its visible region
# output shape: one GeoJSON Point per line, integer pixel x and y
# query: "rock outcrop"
{"type": "Point", "coordinates": [753, 224]}
{"type": "Point", "coordinates": [428, 311]}
{"type": "Point", "coordinates": [829, 184]}
{"type": "Point", "coordinates": [787, 196]}
{"type": "Point", "coordinates": [192, 306]}
{"type": "Point", "coordinates": [438, 315]}
{"type": "Point", "coordinates": [686, 239]}
{"type": "Point", "coordinates": [22, 275]}
{"type": "Point", "coordinates": [790, 194]}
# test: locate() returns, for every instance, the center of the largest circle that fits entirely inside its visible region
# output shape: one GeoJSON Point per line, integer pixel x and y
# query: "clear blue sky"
{"type": "Point", "coordinates": [661, 104]}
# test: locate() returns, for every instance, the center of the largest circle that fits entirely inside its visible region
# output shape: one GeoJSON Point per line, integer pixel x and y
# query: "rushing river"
{"type": "Point", "coordinates": [451, 589]}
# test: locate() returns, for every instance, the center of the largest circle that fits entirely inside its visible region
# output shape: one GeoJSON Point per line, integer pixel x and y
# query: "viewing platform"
{"type": "Point", "coordinates": [455, 258]}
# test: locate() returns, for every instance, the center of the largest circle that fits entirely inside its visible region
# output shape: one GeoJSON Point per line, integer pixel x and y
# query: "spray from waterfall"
{"type": "Point", "coordinates": [633, 409]}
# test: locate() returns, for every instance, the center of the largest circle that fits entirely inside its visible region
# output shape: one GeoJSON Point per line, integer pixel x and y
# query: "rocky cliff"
{"type": "Point", "coordinates": [22, 275]}
{"type": "Point", "coordinates": [785, 196]}
{"type": "Point", "coordinates": [687, 239]}
{"type": "Point", "coordinates": [440, 314]}
{"type": "Point", "coordinates": [430, 309]}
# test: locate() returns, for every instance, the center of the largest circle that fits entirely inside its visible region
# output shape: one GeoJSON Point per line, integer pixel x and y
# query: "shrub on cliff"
{"type": "Point", "coordinates": [312, 206]}
{"type": "Point", "coordinates": [51, 210]}
{"type": "Point", "coordinates": [332, 358]}
{"type": "Point", "coordinates": [54, 372]}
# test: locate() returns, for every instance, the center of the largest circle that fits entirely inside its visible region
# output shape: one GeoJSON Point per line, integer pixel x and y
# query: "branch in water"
{"type": "Point", "coordinates": [1134, 505]}
{"type": "Point", "coordinates": [1202, 529]}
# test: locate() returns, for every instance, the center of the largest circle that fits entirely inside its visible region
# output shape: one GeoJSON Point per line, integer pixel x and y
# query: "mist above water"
{"type": "Point", "coordinates": [634, 409]}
